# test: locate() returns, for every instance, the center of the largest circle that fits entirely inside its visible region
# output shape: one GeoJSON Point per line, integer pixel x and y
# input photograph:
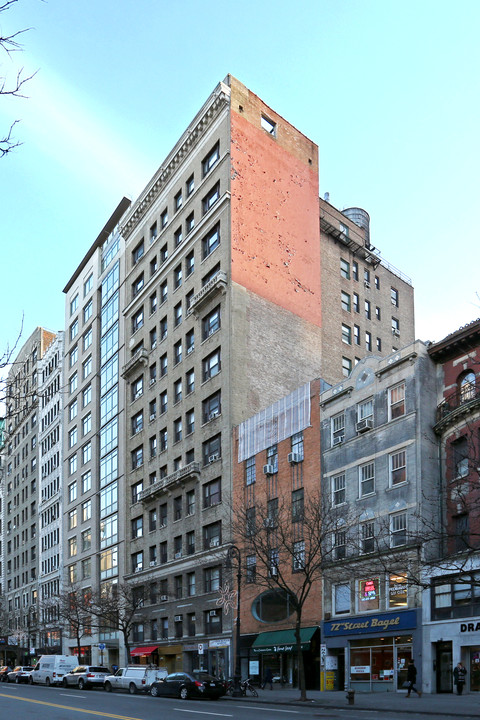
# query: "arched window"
{"type": "Point", "coordinates": [466, 386]}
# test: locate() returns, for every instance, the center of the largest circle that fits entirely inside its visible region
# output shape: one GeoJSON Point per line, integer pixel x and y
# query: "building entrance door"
{"type": "Point", "coordinates": [444, 667]}
{"type": "Point", "coordinates": [403, 655]}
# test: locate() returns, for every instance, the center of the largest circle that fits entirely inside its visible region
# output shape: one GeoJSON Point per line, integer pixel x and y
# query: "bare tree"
{"type": "Point", "coordinates": [72, 609]}
{"type": "Point", "coordinates": [291, 544]}
{"type": "Point", "coordinates": [10, 44]}
{"type": "Point", "coordinates": [117, 607]}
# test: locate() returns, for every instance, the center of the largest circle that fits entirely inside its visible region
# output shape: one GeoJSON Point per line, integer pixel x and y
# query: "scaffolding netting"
{"type": "Point", "coordinates": [279, 421]}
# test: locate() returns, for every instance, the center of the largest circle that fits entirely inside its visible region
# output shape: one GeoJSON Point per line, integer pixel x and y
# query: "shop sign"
{"type": "Point", "coordinates": [470, 627]}
{"type": "Point", "coordinates": [372, 623]}
{"type": "Point", "coordinates": [280, 648]}
{"type": "Point", "coordinates": [360, 669]}
{"type": "Point", "coordinates": [223, 642]}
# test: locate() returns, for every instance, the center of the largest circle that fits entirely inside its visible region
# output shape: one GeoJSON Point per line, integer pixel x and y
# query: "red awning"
{"type": "Point", "coordinates": [143, 650]}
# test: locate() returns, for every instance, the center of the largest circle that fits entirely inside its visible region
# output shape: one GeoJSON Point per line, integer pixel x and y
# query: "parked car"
{"type": "Point", "coordinates": [21, 673]}
{"type": "Point", "coordinates": [4, 670]}
{"type": "Point", "coordinates": [188, 685]}
{"type": "Point", "coordinates": [134, 678]}
{"type": "Point", "coordinates": [50, 669]}
{"type": "Point", "coordinates": [86, 676]}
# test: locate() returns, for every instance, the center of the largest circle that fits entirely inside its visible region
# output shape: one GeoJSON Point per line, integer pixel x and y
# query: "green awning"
{"type": "Point", "coordinates": [281, 641]}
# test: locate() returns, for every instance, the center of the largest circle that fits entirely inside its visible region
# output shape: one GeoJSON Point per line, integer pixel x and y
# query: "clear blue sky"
{"type": "Point", "coordinates": [388, 90]}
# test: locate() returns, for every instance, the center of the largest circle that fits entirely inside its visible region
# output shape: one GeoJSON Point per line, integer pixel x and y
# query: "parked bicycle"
{"type": "Point", "coordinates": [245, 686]}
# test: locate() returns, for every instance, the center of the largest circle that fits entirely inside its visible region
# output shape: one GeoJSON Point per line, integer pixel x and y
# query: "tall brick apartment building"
{"type": "Point", "coordinates": [234, 287]}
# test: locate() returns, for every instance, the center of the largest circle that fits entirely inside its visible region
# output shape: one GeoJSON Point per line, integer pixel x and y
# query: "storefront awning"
{"type": "Point", "coordinates": [280, 641]}
{"type": "Point", "coordinates": [143, 650]}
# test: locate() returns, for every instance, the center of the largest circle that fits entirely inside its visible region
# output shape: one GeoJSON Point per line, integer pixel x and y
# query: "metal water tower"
{"type": "Point", "coordinates": [361, 218]}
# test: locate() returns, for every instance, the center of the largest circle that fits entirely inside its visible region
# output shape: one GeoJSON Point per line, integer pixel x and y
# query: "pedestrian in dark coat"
{"type": "Point", "coordinates": [412, 679]}
{"type": "Point", "coordinates": [268, 678]}
{"type": "Point", "coordinates": [459, 677]}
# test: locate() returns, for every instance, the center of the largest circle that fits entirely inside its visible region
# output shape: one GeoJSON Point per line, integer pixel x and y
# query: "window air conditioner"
{"type": "Point", "coordinates": [178, 555]}
{"type": "Point", "coordinates": [213, 613]}
{"type": "Point", "coordinates": [273, 571]}
{"type": "Point", "coordinates": [294, 457]}
{"type": "Point", "coordinates": [152, 416]}
{"type": "Point", "coordinates": [269, 522]}
{"type": "Point", "coordinates": [395, 332]}
{"type": "Point", "coordinates": [163, 598]}
{"type": "Point", "coordinates": [366, 283]}
{"type": "Point", "coordinates": [364, 425]}
{"type": "Point", "coordinates": [213, 414]}
{"type": "Point", "coordinates": [215, 542]}
{"type": "Point", "coordinates": [213, 457]}
{"type": "Point", "coordinates": [268, 470]}
{"type": "Point", "coordinates": [152, 563]}
{"type": "Point", "coordinates": [337, 440]}
{"type": "Point", "coordinates": [178, 618]}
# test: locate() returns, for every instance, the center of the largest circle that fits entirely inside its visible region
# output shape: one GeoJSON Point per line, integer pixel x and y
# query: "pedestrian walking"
{"type": "Point", "coordinates": [459, 677]}
{"type": "Point", "coordinates": [412, 679]}
{"type": "Point", "coordinates": [268, 678]}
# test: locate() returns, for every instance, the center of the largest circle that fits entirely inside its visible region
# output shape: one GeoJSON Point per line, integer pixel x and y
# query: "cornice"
{"type": "Point", "coordinates": [212, 109]}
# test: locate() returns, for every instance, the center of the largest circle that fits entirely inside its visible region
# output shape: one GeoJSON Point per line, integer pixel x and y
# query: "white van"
{"type": "Point", "coordinates": [50, 669]}
{"type": "Point", "coordinates": [134, 678]}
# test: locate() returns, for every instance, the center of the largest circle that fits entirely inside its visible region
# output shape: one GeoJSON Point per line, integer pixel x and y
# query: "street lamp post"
{"type": "Point", "coordinates": [234, 553]}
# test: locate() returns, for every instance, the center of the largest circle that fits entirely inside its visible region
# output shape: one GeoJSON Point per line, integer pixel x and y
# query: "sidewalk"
{"type": "Point", "coordinates": [444, 705]}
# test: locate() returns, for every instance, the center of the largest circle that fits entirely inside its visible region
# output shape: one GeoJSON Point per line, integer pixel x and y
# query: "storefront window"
{"type": "Point", "coordinates": [368, 598]}
{"type": "Point", "coordinates": [397, 591]}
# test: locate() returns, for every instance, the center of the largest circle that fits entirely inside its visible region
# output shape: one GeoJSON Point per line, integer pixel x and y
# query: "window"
{"type": "Point", "coordinates": [212, 493]}
{"type": "Point", "coordinates": [177, 352]}
{"type": "Point", "coordinates": [87, 367]}
{"type": "Point", "coordinates": [356, 334]}
{"type": "Point", "coordinates": [189, 422]}
{"type": "Point", "coordinates": [397, 591]}
{"type": "Point", "coordinates": [367, 479]}
{"type": "Point", "coordinates": [87, 339]}
{"type": "Point", "coordinates": [164, 254]}
{"type": "Point", "coordinates": [164, 218]}
{"type": "Point", "coordinates": [212, 407]}
{"type": "Point", "coordinates": [251, 568]}
{"type": "Point", "coordinates": [379, 344]}
{"type": "Point", "coordinates": [190, 381]}
{"type": "Point", "coordinates": [378, 313]}
{"type": "Point", "coordinates": [72, 547]}
{"type": "Point", "coordinates": [298, 556]}
{"type": "Point", "coordinates": [87, 481]}
{"type": "Point", "coordinates": [73, 382]}
{"type": "Point", "coordinates": [163, 292]}
{"type": "Point", "coordinates": [340, 545]}
{"type": "Point", "coordinates": [74, 304]}
{"type": "Point", "coordinates": [178, 314]}
{"type": "Point", "coordinates": [396, 401]}
{"type": "Point", "coordinates": [368, 341]}
{"type": "Point", "coordinates": [368, 310]}
{"type": "Point", "coordinates": [212, 450]}
{"type": "Point", "coordinates": [153, 303]}
{"type": "Point", "coordinates": [137, 457]}
{"type": "Point", "coordinates": [365, 409]}
{"type": "Point", "coordinates": [163, 365]}
{"type": "Point", "coordinates": [137, 388]}
{"type": "Point", "coordinates": [189, 263]}
{"type": "Point", "coordinates": [153, 338]}
{"type": "Point", "coordinates": [394, 296]}
{"type": "Point", "coordinates": [250, 472]}
{"type": "Point", "coordinates": [211, 323]}
{"type": "Point", "coordinates": [72, 519]}
{"type": "Point", "coordinates": [163, 328]}
{"type": "Point", "coordinates": [346, 366]}
{"type": "Point", "coordinates": [341, 599]}
{"type": "Point", "coordinates": [466, 385]}
{"type": "Point", "coordinates": [298, 503]}
{"type": "Point", "coordinates": [346, 334]}
{"type": "Point", "coordinates": [177, 277]}
{"type": "Point", "coordinates": [190, 341]}
{"type": "Point", "coordinates": [177, 430]}
{"type": "Point", "coordinates": [356, 302]}
{"type": "Point", "coordinates": [152, 445]}
{"type": "Point", "coordinates": [190, 502]}
{"type": "Point", "coordinates": [368, 537]}
{"type": "Point", "coordinates": [209, 160]}
{"type": "Point", "coordinates": [73, 356]}
{"type": "Point", "coordinates": [87, 285]}
{"type": "Point", "coordinates": [296, 443]}
{"type": "Point", "coordinates": [163, 402]}
{"type": "Point", "coordinates": [344, 269]}
{"type": "Point", "coordinates": [137, 561]}
{"type": "Point", "coordinates": [398, 529]}
{"type": "Point", "coordinates": [177, 201]}
{"type": "Point", "coordinates": [86, 453]}
{"type": "Point", "coordinates": [345, 301]}
{"type": "Point", "coordinates": [163, 439]}
{"type": "Point", "coordinates": [212, 579]}
{"type": "Point", "coordinates": [211, 198]}
{"type": "Point", "coordinates": [272, 457]}
{"type": "Point", "coordinates": [138, 252]}
{"type": "Point", "coordinates": [211, 365]}
{"type": "Point", "coordinates": [395, 326]}
{"type": "Point", "coordinates": [137, 320]}
{"type": "Point", "coordinates": [211, 241]}
{"type": "Point", "coordinates": [268, 125]}
{"type": "Point", "coordinates": [136, 490]}
{"type": "Point", "coordinates": [190, 537]}
{"type": "Point", "coordinates": [190, 222]}
{"type": "Point", "coordinates": [338, 489]}
{"type": "Point", "coordinates": [87, 311]}
{"type": "Point", "coordinates": [398, 468]}
{"type": "Point", "coordinates": [366, 277]}
{"type": "Point", "coordinates": [72, 437]}
{"type": "Point", "coordinates": [137, 422]}
{"type": "Point", "coordinates": [355, 263]}
{"type": "Point", "coordinates": [460, 457]}
{"type": "Point", "coordinates": [177, 391]}
{"type": "Point", "coordinates": [368, 595]}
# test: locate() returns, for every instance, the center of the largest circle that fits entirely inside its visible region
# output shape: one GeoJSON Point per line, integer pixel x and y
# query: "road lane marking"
{"type": "Point", "coordinates": [70, 695]}
{"type": "Point", "coordinates": [69, 707]}
{"type": "Point", "coordinates": [259, 707]}
{"type": "Point", "coordinates": [202, 712]}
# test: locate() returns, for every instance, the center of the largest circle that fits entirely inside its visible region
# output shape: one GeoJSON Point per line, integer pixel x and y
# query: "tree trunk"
{"type": "Point", "coordinates": [301, 668]}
